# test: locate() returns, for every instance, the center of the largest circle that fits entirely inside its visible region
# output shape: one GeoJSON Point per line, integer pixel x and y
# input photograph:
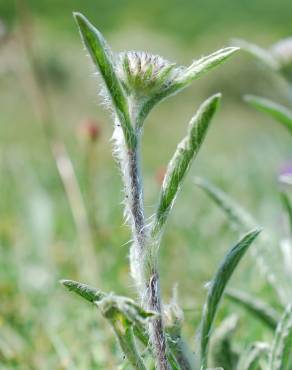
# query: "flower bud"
{"type": "Point", "coordinates": [144, 75]}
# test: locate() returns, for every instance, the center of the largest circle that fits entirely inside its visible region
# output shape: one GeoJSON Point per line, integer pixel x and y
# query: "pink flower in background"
{"type": "Point", "coordinates": [90, 129]}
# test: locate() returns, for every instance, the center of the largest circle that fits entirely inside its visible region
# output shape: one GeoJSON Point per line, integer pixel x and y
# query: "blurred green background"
{"type": "Point", "coordinates": [41, 327]}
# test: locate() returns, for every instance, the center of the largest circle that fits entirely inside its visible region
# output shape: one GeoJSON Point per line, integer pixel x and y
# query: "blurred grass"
{"type": "Point", "coordinates": [41, 327]}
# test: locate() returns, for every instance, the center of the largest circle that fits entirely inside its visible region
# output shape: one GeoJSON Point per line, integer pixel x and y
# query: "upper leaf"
{"type": "Point", "coordinates": [101, 56]}
{"type": "Point", "coordinates": [216, 289]}
{"type": "Point", "coordinates": [186, 151]}
{"type": "Point", "coordinates": [184, 76]}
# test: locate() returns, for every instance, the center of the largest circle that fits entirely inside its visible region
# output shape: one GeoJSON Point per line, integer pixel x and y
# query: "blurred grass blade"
{"type": "Point", "coordinates": [186, 151]}
{"type": "Point", "coordinates": [256, 307]}
{"type": "Point", "coordinates": [102, 57]}
{"type": "Point", "coordinates": [251, 358]}
{"type": "Point", "coordinates": [85, 291]}
{"type": "Point", "coordinates": [216, 290]}
{"type": "Point", "coordinates": [243, 221]}
{"type": "Point", "coordinates": [262, 55]}
{"type": "Point", "coordinates": [200, 67]}
{"type": "Point", "coordinates": [288, 207]}
{"type": "Point", "coordinates": [281, 356]}
{"type": "Point", "coordinates": [277, 111]}
{"type": "Point", "coordinates": [235, 213]}
{"type": "Point", "coordinates": [222, 352]}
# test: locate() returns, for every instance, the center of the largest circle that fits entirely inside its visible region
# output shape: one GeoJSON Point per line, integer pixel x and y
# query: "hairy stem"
{"type": "Point", "coordinates": [143, 267]}
{"type": "Point", "coordinates": [156, 329]}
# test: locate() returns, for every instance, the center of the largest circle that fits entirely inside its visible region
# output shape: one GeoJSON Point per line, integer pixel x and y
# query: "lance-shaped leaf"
{"type": "Point", "coordinates": [200, 67]}
{"type": "Point", "coordinates": [256, 307]}
{"type": "Point", "coordinates": [251, 358]}
{"type": "Point", "coordinates": [101, 56]}
{"type": "Point", "coordinates": [85, 291]}
{"type": "Point", "coordinates": [182, 159]}
{"type": "Point", "coordinates": [222, 352]}
{"type": "Point", "coordinates": [281, 356]}
{"type": "Point", "coordinates": [235, 213]}
{"type": "Point", "coordinates": [277, 111]}
{"type": "Point", "coordinates": [184, 76]}
{"type": "Point", "coordinates": [262, 55]}
{"type": "Point", "coordinates": [216, 290]}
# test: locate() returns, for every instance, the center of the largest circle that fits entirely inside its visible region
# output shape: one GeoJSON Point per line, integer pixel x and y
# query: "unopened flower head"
{"type": "Point", "coordinates": [143, 74]}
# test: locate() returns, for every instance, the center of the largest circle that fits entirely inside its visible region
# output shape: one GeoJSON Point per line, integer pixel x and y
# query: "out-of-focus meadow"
{"type": "Point", "coordinates": [41, 326]}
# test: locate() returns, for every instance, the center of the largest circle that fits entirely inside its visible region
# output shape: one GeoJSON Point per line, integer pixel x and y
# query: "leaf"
{"type": "Point", "coordinates": [101, 56]}
{"type": "Point", "coordinates": [85, 291]}
{"type": "Point", "coordinates": [180, 163]}
{"type": "Point", "coordinates": [187, 75]}
{"type": "Point", "coordinates": [281, 356]}
{"type": "Point", "coordinates": [216, 290]}
{"type": "Point", "coordinates": [235, 213]}
{"type": "Point", "coordinates": [256, 307]}
{"type": "Point", "coordinates": [250, 359]}
{"type": "Point", "coordinates": [262, 55]}
{"type": "Point", "coordinates": [277, 111]}
{"type": "Point", "coordinates": [202, 66]}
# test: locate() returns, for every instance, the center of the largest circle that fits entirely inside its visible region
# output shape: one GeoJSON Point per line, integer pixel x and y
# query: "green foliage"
{"type": "Point", "coordinates": [186, 151]}
{"type": "Point", "coordinates": [85, 291]}
{"type": "Point", "coordinates": [136, 82]}
{"type": "Point", "coordinates": [216, 290]}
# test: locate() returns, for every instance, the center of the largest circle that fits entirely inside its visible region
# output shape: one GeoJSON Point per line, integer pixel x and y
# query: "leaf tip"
{"type": "Point", "coordinates": [254, 232]}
